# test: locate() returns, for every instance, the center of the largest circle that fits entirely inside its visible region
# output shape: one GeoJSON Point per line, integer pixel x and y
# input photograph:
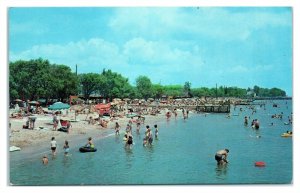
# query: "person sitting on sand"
{"type": "Point", "coordinates": [90, 143]}
{"type": "Point", "coordinates": [26, 126]}
{"type": "Point", "coordinates": [45, 160]}
{"type": "Point", "coordinates": [221, 156]}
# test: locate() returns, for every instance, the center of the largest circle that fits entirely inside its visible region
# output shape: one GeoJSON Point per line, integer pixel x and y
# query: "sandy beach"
{"type": "Point", "coordinates": [39, 138]}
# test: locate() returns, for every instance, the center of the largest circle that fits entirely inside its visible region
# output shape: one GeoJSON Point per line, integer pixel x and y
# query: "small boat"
{"type": "Point", "coordinates": [14, 148]}
{"type": "Point", "coordinates": [84, 149]}
{"type": "Point", "coordinates": [286, 135]}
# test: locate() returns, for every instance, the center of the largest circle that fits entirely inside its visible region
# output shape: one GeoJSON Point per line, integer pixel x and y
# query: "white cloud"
{"type": "Point", "coordinates": [250, 68]}
{"type": "Point", "coordinates": [29, 27]}
{"type": "Point", "coordinates": [84, 52]}
{"type": "Point", "coordinates": [136, 57]}
{"type": "Point", "coordinates": [208, 22]}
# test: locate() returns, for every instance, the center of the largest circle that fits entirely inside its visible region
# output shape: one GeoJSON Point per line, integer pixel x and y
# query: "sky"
{"type": "Point", "coordinates": [228, 46]}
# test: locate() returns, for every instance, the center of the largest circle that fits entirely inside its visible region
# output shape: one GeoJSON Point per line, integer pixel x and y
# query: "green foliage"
{"type": "Point", "coordinates": [158, 91]}
{"type": "Point", "coordinates": [115, 85]}
{"type": "Point", "coordinates": [187, 89]}
{"type": "Point", "coordinates": [90, 83]}
{"type": "Point", "coordinates": [38, 78]}
{"type": "Point", "coordinates": [273, 92]}
{"type": "Point", "coordinates": [144, 86]}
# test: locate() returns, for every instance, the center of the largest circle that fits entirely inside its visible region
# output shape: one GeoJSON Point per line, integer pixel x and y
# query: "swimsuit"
{"type": "Point", "coordinates": [218, 157]}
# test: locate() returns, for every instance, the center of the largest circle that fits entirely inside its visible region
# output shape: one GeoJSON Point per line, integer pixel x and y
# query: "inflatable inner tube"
{"type": "Point", "coordinates": [84, 149]}
{"type": "Point", "coordinates": [260, 164]}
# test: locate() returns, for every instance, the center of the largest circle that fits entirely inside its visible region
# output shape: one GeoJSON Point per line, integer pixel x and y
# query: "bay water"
{"type": "Point", "coordinates": [183, 153]}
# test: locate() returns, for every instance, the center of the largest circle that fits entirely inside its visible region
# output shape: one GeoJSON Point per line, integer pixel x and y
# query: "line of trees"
{"type": "Point", "coordinates": [35, 79]}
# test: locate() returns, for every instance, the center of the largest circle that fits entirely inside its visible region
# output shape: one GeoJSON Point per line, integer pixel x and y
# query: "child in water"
{"type": "Point", "coordinates": [45, 159]}
{"type": "Point", "coordinates": [66, 147]}
{"type": "Point", "coordinates": [90, 143]}
{"type": "Point", "coordinates": [156, 131]}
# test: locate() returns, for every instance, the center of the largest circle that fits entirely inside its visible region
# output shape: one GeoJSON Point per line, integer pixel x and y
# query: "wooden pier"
{"type": "Point", "coordinates": [208, 108]}
{"type": "Point", "coordinates": [213, 108]}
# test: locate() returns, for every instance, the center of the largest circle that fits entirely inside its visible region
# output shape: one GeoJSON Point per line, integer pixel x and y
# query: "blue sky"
{"type": "Point", "coordinates": [206, 45]}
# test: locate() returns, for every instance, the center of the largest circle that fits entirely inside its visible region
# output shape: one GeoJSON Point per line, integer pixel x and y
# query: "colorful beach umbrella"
{"type": "Point", "coordinates": [58, 106]}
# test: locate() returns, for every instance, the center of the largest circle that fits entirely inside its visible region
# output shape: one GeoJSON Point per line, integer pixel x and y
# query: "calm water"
{"type": "Point", "coordinates": [182, 154]}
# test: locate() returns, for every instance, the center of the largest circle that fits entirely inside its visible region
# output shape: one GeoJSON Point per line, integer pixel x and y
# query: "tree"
{"type": "Point", "coordinates": [115, 85]}
{"type": "Point", "coordinates": [38, 78]}
{"type": "Point", "coordinates": [187, 89]}
{"type": "Point", "coordinates": [90, 83]}
{"type": "Point", "coordinates": [144, 86]}
{"type": "Point", "coordinates": [256, 90]}
{"type": "Point", "coordinates": [158, 90]}
{"type": "Point", "coordinates": [65, 82]}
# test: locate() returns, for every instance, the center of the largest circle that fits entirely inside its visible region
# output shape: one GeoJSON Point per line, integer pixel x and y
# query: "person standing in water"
{"type": "Point", "coordinates": [117, 128]}
{"type": "Point", "coordinates": [156, 131]}
{"type": "Point", "coordinates": [187, 113]}
{"type": "Point", "coordinates": [53, 145]}
{"type": "Point", "coordinates": [221, 156]}
{"type": "Point", "coordinates": [246, 120]}
{"type": "Point", "coordinates": [66, 147]}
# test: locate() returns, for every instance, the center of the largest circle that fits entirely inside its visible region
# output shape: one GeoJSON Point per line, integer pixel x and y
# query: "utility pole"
{"type": "Point", "coordinates": [216, 91]}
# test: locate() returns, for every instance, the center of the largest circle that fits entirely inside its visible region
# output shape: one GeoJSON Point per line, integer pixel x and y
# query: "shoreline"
{"type": "Point", "coordinates": [37, 141]}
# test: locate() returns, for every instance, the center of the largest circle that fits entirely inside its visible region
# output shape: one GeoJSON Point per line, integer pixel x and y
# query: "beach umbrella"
{"type": "Point", "coordinates": [58, 106]}
{"type": "Point", "coordinates": [18, 100]}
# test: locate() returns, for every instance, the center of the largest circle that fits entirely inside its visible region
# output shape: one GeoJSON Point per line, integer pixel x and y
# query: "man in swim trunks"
{"type": "Point", "coordinates": [53, 145]}
{"type": "Point", "coordinates": [221, 156]}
